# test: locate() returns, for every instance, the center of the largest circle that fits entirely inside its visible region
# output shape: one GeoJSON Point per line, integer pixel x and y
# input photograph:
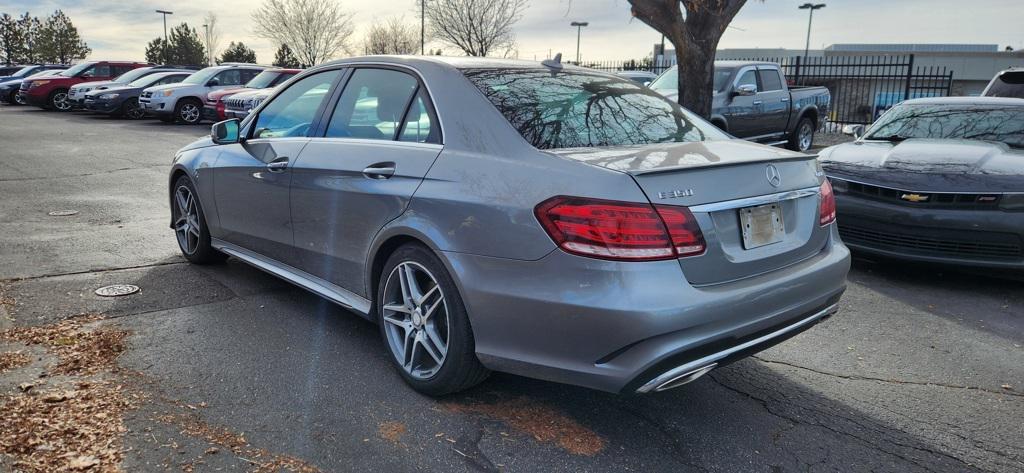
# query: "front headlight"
{"type": "Point", "coordinates": [168, 93]}
{"type": "Point", "coordinates": [37, 83]}
{"type": "Point", "coordinates": [1012, 202]}
{"type": "Point", "coordinates": [109, 96]}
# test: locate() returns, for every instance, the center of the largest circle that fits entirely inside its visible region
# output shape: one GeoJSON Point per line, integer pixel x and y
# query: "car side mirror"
{"type": "Point", "coordinates": [746, 90]}
{"type": "Point", "coordinates": [225, 132]}
{"type": "Point", "coordinates": [856, 131]}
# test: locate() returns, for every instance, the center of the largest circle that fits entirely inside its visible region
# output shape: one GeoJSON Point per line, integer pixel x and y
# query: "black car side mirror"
{"type": "Point", "coordinates": [225, 132]}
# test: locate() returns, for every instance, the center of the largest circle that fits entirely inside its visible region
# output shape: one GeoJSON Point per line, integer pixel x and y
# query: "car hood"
{"type": "Point", "coordinates": [929, 165]}
{"type": "Point", "coordinates": [640, 159]}
{"type": "Point", "coordinates": [95, 83]}
{"type": "Point", "coordinates": [124, 89]}
{"type": "Point", "coordinates": [176, 86]}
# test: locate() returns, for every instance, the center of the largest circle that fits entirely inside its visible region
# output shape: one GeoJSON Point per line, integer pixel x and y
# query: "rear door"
{"type": "Point", "coordinates": [381, 137]}
{"type": "Point", "coordinates": [774, 101]}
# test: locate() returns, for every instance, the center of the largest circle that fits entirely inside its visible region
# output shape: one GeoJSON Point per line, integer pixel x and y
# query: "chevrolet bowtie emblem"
{"type": "Point", "coordinates": [914, 198]}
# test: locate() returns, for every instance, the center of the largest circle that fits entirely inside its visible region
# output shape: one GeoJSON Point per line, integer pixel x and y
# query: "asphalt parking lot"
{"type": "Point", "coordinates": [922, 369]}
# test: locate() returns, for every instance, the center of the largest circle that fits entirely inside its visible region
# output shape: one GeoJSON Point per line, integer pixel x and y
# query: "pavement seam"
{"type": "Point", "coordinates": [51, 178]}
{"type": "Point", "coordinates": [890, 381]}
{"type": "Point", "coordinates": [89, 271]}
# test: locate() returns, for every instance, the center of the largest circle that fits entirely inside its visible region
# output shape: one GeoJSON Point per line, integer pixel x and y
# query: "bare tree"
{"type": "Point", "coordinates": [393, 36]}
{"type": "Point", "coordinates": [477, 27]}
{"type": "Point", "coordinates": [694, 27]}
{"type": "Point", "coordinates": [211, 37]}
{"type": "Point", "coordinates": [316, 30]}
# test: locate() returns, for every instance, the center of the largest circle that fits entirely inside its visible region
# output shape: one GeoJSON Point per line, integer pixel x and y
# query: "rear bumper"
{"type": "Point", "coordinates": [977, 238]}
{"type": "Point", "coordinates": [617, 326]}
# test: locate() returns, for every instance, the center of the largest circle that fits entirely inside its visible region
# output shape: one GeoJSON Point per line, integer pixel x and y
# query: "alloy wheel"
{"type": "Point", "coordinates": [415, 315]}
{"type": "Point", "coordinates": [190, 113]}
{"type": "Point", "coordinates": [60, 101]}
{"type": "Point", "coordinates": [19, 99]}
{"type": "Point", "coordinates": [186, 221]}
{"type": "Point", "coordinates": [133, 111]}
{"type": "Point", "coordinates": [806, 135]}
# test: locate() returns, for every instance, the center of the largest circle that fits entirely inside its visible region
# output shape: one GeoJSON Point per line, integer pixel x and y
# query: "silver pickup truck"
{"type": "Point", "coordinates": [753, 101]}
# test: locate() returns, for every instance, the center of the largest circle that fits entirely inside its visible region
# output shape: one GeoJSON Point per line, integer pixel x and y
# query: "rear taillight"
{"type": "Point", "coordinates": [620, 230]}
{"type": "Point", "coordinates": [220, 109]}
{"type": "Point", "coordinates": [827, 208]}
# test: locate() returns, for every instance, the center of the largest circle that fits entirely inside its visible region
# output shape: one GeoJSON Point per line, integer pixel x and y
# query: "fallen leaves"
{"type": "Point", "coordinates": [392, 431]}
{"type": "Point", "coordinates": [76, 425]}
{"type": "Point", "coordinates": [544, 423]}
{"type": "Point", "coordinates": [10, 360]}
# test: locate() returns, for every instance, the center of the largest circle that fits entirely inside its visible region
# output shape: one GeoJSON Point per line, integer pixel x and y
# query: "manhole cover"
{"type": "Point", "coordinates": [62, 213]}
{"type": "Point", "coordinates": [117, 290]}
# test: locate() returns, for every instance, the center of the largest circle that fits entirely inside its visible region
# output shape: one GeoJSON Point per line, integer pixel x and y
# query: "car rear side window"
{"type": "Point", "coordinates": [770, 80]}
{"type": "Point", "coordinates": [419, 127]}
{"type": "Point", "coordinates": [570, 109]}
{"type": "Point", "coordinates": [373, 105]}
{"type": "Point", "coordinates": [291, 113]}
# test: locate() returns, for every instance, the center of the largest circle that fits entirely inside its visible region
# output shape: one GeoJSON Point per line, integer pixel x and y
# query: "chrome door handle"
{"type": "Point", "coordinates": [278, 165]}
{"type": "Point", "coordinates": [785, 100]}
{"type": "Point", "coordinates": [758, 102]}
{"type": "Point", "coordinates": [380, 170]}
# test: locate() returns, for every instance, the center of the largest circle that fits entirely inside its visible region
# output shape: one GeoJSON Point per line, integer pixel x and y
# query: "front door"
{"type": "Point", "coordinates": [381, 139]}
{"type": "Point", "coordinates": [741, 111]}
{"type": "Point", "coordinates": [252, 178]}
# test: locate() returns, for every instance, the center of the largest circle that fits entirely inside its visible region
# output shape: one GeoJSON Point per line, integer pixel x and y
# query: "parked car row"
{"type": "Point", "coordinates": [134, 90]}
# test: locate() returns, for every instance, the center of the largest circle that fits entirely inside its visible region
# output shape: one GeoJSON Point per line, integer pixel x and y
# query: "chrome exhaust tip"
{"type": "Point", "coordinates": [671, 379]}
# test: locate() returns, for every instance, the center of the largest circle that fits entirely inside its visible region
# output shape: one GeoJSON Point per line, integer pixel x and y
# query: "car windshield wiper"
{"type": "Point", "coordinates": [893, 138]}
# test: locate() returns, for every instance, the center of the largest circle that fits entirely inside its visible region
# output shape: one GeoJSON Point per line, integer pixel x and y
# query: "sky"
{"type": "Point", "coordinates": [118, 29]}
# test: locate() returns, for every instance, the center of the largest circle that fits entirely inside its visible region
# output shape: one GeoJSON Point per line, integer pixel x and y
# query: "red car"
{"type": "Point", "coordinates": [213, 109]}
{"type": "Point", "coordinates": [51, 92]}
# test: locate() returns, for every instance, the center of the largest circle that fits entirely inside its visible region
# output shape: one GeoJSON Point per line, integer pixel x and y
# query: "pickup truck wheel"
{"type": "Point", "coordinates": [189, 111]}
{"type": "Point", "coordinates": [803, 137]}
{"type": "Point", "coordinates": [59, 100]}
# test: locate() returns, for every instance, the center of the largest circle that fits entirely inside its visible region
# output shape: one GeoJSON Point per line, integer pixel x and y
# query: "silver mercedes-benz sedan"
{"type": "Point", "coordinates": [530, 218]}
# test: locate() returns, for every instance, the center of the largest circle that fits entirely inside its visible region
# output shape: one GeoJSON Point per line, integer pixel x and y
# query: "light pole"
{"type": "Point", "coordinates": [423, 25]}
{"type": "Point", "coordinates": [165, 13]}
{"type": "Point", "coordinates": [811, 7]}
{"type": "Point", "coordinates": [579, 28]}
{"type": "Point", "coordinates": [206, 39]}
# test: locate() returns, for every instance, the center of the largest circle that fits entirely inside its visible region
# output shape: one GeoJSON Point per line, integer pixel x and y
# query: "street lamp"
{"type": "Point", "coordinates": [811, 7]}
{"type": "Point", "coordinates": [165, 13]}
{"type": "Point", "coordinates": [206, 39]}
{"type": "Point", "coordinates": [423, 25]}
{"type": "Point", "coordinates": [579, 27]}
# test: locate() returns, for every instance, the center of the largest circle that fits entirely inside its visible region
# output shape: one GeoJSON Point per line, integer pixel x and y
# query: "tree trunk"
{"type": "Point", "coordinates": [696, 76]}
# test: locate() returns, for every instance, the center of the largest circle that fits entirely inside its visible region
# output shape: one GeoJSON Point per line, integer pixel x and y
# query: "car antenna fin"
{"type": "Point", "coordinates": [555, 63]}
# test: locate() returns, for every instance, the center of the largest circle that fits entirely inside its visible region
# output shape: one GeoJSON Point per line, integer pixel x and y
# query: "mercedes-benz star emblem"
{"type": "Point", "coordinates": [774, 177]}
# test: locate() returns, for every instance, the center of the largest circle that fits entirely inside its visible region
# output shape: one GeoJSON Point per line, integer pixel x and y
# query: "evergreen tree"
{"type": "Point", "coordinates": [58, 40]}
{"type": "Point", "coordinates": [29, 28]}
{"type": "Point", "coordinates": [184, 46]}
{"type": "Point", "coordinates": [11, 42]}
{"type": "Point", "coordinates": [285, 57]}
{"type": "Point", "coordinates": [155, 51]}
{"type": "Point", "coordinates": [238, 52]}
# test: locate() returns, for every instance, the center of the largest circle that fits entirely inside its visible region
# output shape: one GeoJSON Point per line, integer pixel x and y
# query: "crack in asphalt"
{"type": "Point", "coordinates": [666, 432]}
{"type": "Point", "coordinates": [765, 403]}
{"type": "Point", "coordinates": [89, 271]}
{"type": "Point", "coordinates": [51, 178]}
{"type": "Point", "coordinates": [890, 381]}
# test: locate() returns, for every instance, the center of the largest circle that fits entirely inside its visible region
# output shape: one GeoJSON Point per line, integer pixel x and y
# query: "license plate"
{"type": "Point", "coordinates": [762, 225]}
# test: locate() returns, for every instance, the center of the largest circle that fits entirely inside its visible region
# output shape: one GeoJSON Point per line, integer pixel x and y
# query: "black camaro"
{"type": "Point", "coordinates": [936, 180]}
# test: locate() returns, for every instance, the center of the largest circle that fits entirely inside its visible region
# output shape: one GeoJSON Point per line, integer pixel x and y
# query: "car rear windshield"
{"type": "Point", "coordinates": [1007, 84]}
{"type": "Point", "coordinates": [571, 109]}
{"type": "Point", "coordinates": [1000, 123]}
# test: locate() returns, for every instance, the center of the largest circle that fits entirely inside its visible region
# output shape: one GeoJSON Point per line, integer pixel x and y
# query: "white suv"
{"type": "Point", "coordinates": [183, 101]}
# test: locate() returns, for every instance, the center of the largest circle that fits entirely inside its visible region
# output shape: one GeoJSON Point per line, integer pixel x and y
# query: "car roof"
{"type": "Point", "coordinates": [965, 101]}
{"type": "Point", "coordinates": [457, 62]}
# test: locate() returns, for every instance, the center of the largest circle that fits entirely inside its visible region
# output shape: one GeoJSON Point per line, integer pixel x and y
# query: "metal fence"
{"type": "Point", "coordinates": [862, 87]}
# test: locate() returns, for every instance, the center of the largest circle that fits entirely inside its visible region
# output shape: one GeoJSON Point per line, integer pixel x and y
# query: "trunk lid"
{"type": "Point", "coordinates": [716, 180]}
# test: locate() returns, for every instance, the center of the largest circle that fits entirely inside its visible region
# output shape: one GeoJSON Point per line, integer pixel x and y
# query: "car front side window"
{"type": "Point", "coordinates": [292, 112]}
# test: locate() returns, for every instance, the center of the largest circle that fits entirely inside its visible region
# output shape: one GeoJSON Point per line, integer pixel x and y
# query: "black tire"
{"type": "Point", "coordinates": [460, 369]}
{"type": "Point", "coordinates": [130, 110]}
{"type": "Point", "coordinates": [13, 98]}
{"type": "Point", "coordinates": [58, 100]}
{"type": "Point", "coordinates": [201, 252]}
{"type": "Point", "coordinates": [802, 138]}
{"type": "Point", "coordinates": [184, 113]}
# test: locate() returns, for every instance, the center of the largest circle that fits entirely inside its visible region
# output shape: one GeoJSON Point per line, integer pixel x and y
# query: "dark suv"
{"type": "Point", "coordinates": [51, 92]}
